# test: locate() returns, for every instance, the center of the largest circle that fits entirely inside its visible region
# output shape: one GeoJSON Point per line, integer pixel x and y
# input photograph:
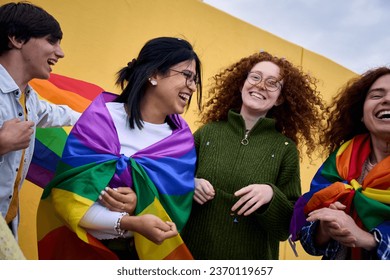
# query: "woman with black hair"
{"type": "Point", "coordinates": [135, 140]}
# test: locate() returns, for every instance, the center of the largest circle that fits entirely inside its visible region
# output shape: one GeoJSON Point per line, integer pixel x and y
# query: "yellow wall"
{"type": "Point", "coordinates": [102, 36]}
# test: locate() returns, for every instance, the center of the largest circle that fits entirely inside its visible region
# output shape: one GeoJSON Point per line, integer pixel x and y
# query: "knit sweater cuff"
{"type": "Point", "coordinates": [276, 215]}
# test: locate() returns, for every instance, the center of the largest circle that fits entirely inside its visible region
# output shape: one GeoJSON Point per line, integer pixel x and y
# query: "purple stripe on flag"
{"type": "Point", "coordinates": [39, 175]}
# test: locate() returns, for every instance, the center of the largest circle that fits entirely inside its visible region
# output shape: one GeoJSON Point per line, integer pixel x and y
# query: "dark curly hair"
{"type": "Point", "coordinates": [345, 112]}
{"type": "Point", "coordinates": [298, 117]}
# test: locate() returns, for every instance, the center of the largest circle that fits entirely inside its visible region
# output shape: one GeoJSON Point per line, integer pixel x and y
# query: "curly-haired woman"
{"type": "Point", "coordinates": [261, 109]}
{"type": "Point", "coordinates": [346, 213]}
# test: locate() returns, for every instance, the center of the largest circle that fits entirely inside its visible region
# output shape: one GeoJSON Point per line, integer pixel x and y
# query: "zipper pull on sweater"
{"type": "Point", "coordinates": [245, 141]}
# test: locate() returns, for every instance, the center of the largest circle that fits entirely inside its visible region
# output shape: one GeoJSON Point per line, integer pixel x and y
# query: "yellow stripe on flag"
{"type": "Point", "coordinates": [48, 221]}
{"type": "Point", "coordinates": [378, 194]}
{"type": "Point", "coordinates": [148, 250]}
{"type": "Point", "coordinates": [72, 214]}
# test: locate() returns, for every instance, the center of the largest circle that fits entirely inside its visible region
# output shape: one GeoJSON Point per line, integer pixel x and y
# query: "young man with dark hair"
{"type": "Point", "coordinates": [29, 47]}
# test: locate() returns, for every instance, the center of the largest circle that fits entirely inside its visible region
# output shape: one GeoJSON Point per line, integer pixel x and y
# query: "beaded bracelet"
{"type": "Point", "coordinates": [117, 227]}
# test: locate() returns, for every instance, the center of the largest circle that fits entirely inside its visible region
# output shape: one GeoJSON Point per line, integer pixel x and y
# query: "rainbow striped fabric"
{"type": "Point", "coordinates": [49, 142]}
{"type": "Point", "coordinates": [162, 176]}
{"type": "Point", "coordinates": [336, 180]}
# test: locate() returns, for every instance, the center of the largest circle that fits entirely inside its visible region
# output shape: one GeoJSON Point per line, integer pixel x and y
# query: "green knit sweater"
{"type": "Point", "coordinates": [212, 231]}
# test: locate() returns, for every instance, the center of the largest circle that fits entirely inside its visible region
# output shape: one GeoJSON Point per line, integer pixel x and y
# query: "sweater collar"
{"type": "Point", "coordinates": [237, 122]}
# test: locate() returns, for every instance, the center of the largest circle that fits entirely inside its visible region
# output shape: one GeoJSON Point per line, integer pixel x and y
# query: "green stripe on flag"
{"type": "Point", "coordinates": [144, 187]}
{"type": "Point", "coordinates": [86, 180]}
{"type": "Point", "coordinates": [329, 170]}
{"type": "Point", "coordinates": [53, 138]}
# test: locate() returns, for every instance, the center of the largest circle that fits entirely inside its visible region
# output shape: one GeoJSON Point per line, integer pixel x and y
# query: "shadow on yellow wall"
{"type": "Point", "coordinates": [100, 37]}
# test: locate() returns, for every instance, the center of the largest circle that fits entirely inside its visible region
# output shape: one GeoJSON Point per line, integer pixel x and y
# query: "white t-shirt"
{"type": "Point", "coordinates": [99, 221]}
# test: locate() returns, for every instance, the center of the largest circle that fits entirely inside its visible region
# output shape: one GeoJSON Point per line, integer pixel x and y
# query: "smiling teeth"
{"type": "Point", "coordinates": [255, 94]}
{"type": "Point", "coordinates": [383, 114]}
{"type": "Point", "coordinates": [51, 61]}
{"type": "Point", "coordinates": [184, 96]}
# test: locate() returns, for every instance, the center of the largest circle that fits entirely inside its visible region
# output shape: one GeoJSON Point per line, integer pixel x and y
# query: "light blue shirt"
{"type": "Point", "coordinates": [42, 113]}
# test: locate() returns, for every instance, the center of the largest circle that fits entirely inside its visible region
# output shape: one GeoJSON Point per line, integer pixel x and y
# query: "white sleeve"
{"type": "Point", "coordinates": [52, 115]}
{"type": "Point", "coordinates": [100, 222]}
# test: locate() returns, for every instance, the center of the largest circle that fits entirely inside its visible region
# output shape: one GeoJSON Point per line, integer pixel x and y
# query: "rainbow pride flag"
{"type": "Point", "coordinates": [336, 180]}
{"type": "Point", "coordinates": [49, 142]}
{"type": "Point", "coordinates": [161, 174]}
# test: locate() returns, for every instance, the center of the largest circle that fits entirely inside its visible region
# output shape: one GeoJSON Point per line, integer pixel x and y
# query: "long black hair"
{"type": "Point", "coordinates": [156, 57]}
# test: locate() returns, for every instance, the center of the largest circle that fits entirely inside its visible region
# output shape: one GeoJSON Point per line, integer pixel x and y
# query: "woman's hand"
{"type": "Point", "coordinates": [252, 197]}
{"type": "Point", "coordinates": [122, 199]}
{"type": "Point", "coordinates": [337, 225]}
{"type": "Point", "coordinates": [150, 226]}
{"type": "Point", "coordinates": [204, 191]}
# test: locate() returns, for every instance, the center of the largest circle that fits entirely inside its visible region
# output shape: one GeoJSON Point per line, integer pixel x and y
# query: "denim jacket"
{"type": "Point", "coordinates": [42, 113]}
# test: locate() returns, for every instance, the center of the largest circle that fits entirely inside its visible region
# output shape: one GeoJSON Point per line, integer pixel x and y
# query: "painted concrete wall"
{"type": "Point", "coordinates": [102, 36]}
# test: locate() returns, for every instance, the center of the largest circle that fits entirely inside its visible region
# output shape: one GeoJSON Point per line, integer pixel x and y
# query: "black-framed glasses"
{"type": "Point", "coordinates": [190, 76]}
{"type": "Point", "coordinates": [270, 83]}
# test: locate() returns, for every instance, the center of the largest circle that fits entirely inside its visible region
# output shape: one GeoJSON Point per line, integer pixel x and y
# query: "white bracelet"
{"type": "Point", "coordinates": [117, 227]}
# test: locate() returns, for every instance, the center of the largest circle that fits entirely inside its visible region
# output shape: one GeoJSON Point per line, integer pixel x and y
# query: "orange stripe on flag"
{"type": "Point", "coordinates": [180, 253]}
{"type": "Point", "coordinates": [59, 96]}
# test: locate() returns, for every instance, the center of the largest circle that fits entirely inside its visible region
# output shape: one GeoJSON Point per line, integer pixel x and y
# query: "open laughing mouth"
{"type": "Point", "coordinates": [51, 61]}
{"type": "Point", "coordinates": [257, 95]}
{"type": "Point", "coordinates": [184, 96]}
{"type": "Point", "coordinates": [383, 115]}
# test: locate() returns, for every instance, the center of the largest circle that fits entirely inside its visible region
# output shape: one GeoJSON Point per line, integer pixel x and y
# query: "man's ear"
{"type": "Point", "coordinates": [15, 43]}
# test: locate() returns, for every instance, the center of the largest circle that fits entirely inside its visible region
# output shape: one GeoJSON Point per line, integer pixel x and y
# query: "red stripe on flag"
{"type": "Point", "coordinates": [85, 89]}
{"type": "Point", "coordinates": [71, 247]}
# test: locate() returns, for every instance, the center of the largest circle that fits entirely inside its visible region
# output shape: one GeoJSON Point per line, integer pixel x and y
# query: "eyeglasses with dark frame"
{"type": "Point", "coordinates": [190, 76]}
{"type": "Point", "coordinates": [270, 83]}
